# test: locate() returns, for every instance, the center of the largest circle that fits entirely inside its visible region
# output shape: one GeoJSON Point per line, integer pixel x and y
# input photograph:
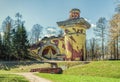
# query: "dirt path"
{"type": "Point", "coordinates": [33, 78]}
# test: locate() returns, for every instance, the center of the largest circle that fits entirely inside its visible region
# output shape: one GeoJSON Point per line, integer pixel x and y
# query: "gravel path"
{"type": "Point", "coordinates": [33, 78]}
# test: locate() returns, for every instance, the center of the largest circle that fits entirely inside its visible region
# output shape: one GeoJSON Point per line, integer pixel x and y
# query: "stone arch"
{"type": "Point", "coordinates": [49, 51]}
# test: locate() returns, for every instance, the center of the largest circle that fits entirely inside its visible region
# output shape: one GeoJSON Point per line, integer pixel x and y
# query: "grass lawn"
{"type": "Point", "coordinates": [97, 68]}
{"type": "Point", "coordinates": [12, 78]}
{"type": "Point", "coordinates": [96, 71]}
{"type": "Point", "coordinates": [23, 68]}
{"type": "Point", "coordinates": [27, 67]}
{"type": "Point", "coordinates": [74, 78]}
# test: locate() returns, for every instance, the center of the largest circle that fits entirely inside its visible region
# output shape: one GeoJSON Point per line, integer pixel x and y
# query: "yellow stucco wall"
{"type": "Point", "coordinates": [75, 37]}
{"type": "Point", "coordinates": [60, 44]}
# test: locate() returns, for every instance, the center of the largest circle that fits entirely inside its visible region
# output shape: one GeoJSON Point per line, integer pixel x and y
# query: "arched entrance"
{"type": "Point", "coordinates": [49, 51]}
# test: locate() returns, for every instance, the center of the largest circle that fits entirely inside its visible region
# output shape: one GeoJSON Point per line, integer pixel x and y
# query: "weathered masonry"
{"type": "Point", "coordinates": [71, 46]}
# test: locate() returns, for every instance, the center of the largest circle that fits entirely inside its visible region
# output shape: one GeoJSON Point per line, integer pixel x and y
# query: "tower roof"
{"type": "Point", "coordinates": [74, 18]}
{"type": "Point", "coordinates": [75, 9]}
{"type": "Point", "coordinates": [69, 22]}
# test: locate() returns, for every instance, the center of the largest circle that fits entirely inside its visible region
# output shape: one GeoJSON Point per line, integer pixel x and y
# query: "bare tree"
{"type": "Point", "coordinates": [7, 24]}
{"type": "Point", "coordinates": [115, 31]}
{"type": "Point", "coordinates": [36, 32]}
{"type": "Point", "coordinates": [92, 44]}
{"type": "Point", "coordinates": [100, 32]}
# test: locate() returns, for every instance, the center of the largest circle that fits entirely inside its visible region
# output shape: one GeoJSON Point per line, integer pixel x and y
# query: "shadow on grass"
{"type": "Point", "coordinates": [8, 65]}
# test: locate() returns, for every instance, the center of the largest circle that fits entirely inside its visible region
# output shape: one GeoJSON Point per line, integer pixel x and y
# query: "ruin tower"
{"type": "Point", "coordinates": [75, 35]}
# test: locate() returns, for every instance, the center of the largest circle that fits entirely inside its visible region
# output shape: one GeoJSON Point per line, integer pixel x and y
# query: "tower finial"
{"type": "Point", "coordinates": [74, 13]}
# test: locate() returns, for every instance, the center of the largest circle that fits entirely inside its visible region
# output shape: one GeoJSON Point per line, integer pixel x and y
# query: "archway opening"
{"type": "Point", "coordinates": [49, 52]}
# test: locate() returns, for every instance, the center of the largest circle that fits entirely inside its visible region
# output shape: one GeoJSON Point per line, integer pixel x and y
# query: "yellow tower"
{"type": "Point", "coordinates": [75, 35]}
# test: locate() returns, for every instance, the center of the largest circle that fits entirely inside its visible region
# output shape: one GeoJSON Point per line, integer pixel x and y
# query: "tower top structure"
{"type": "Point", "coordinates": [74, 13]}
{"type": "Point", "coordinates": [74, 19]}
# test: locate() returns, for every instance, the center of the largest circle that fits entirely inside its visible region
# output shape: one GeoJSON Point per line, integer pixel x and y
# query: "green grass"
{"type": "Point", "coordinates": [27, 67]}
{"type": "Point", "coordinates": [100, 68]}
{"type": "Point", "coordinates": [74, 78]}
{"type": "Point", "coordinates": [96, 71]}
{"type": "Point", "coordinates": [12, 78]}
{"type": "Point", "coordinates": [23, 68]}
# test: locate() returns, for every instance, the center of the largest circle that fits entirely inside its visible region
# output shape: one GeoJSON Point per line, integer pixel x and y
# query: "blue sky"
{"type": "Point", "coordinates": [48, 12]}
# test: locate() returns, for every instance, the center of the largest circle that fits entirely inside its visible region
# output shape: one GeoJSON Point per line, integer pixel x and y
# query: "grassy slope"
{"type": "Point", "coordinates": [27, 67]}
{"type": "Point", "coordinates": [100, 68]}
{"type": "Point", "coordinates": [101, 71]}
{"type": "Point", "coordinates": [74, 78]}
{"type": "Point", "coordinates": [23, 68]}
{"type": "Point", "coordinates": [12, 78]}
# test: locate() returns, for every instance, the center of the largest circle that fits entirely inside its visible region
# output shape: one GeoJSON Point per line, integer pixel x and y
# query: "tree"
{"type": "Point", "coordinates": [14, 43]}
{"type": "Point", "coordinates": [0, 46]}
{"type": "Point", "coordinates": [18, 21]}
{"type": "Point", "coordinates": [117, 9]}
{"type": "Point", "coordinates": [100, 32]}
{"type": "Point", "coordinates": [115, 31]}
{"type": "Point", "coordinates": [92, 44]}
{"type": "Point", "coordinates": [20, 43]}
{"type": "Point", "coordinates": [24, 42]}
{"type": "Point", "coordinates": [7, 25]}
{"type": "Point", "coordinates": [36, 32]}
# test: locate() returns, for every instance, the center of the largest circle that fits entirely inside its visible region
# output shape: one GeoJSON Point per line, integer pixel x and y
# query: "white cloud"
{"type": "Point", "coordinates": [93, 25]}
{"type": "Point", "coordinates": [87, 20]}
{"type": "Point", "coordinates": [51, 29]}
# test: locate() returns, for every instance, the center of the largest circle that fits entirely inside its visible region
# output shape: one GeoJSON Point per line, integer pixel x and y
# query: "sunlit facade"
{"type": "Point", "coordinates": [71, 46]}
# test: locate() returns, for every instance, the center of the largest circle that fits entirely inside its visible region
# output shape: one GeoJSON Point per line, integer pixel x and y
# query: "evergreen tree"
{"type": "Point", "coordinates": [0, 47]}
{"type": "Point", "coordinates": [15, 44]}
{"type": "Point", "coordinates": [24, 43]}
{"type": "Point", "coordinates": [20, 43]}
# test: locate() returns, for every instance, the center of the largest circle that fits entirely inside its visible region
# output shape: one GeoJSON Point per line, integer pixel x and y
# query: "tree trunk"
{"type": "Point", "coordinates": [117, 49]}
{"type": "Point", "coordinates": [114, 50]}
{"type": "Point", "coordinates": [102, 45]}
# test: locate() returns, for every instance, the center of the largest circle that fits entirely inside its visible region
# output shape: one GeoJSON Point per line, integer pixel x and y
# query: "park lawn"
{"type": "Point", "coordinates": [96, 71]}
{"type": "Point", "coordinates": [12, 78]}
{"type": "Point", "coordinates": [76, 78]}
{"type": "Point", "coordinates": [22, 68]}
{"type": "Point", "coordinates": [11, 68]}
{"type": "Point", "coordinates": [97, 68]}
